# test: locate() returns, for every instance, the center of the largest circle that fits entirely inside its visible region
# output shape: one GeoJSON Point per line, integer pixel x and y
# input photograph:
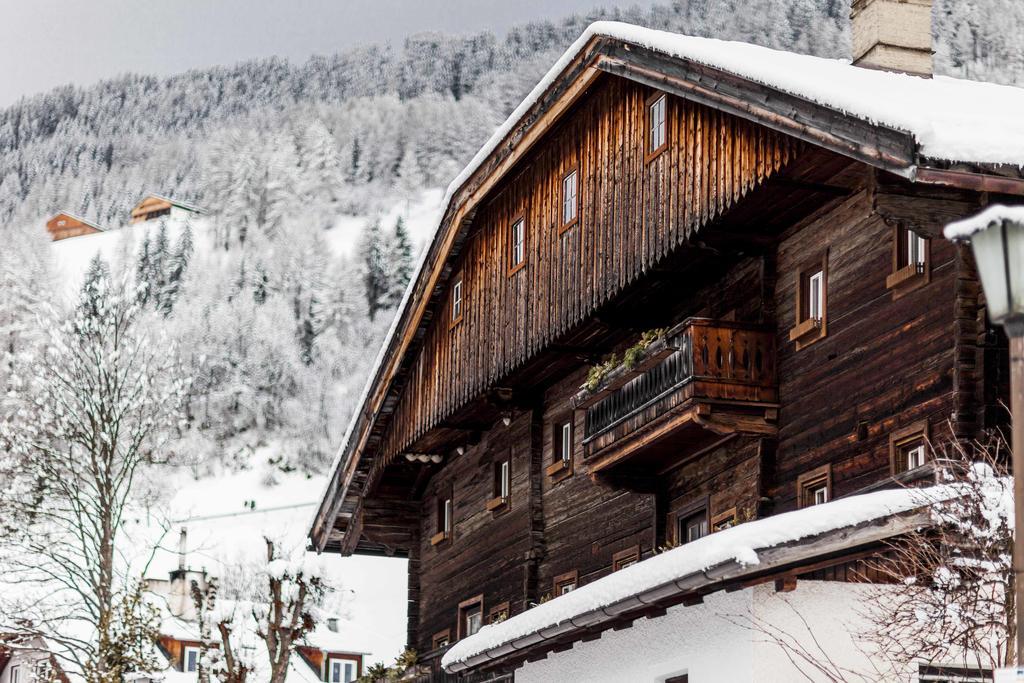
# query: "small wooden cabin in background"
{"type": "Point", "coordinates": [65, 225]}
{"type": "Point", "coordinates": [155, 206]}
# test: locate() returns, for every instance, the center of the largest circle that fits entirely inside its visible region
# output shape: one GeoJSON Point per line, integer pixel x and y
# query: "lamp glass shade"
{"type": "Point", "coordinates": [999, 253]}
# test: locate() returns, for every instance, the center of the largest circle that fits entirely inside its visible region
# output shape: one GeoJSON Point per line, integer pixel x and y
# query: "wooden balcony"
{"type": "Point", "coordinates": [705, 381]}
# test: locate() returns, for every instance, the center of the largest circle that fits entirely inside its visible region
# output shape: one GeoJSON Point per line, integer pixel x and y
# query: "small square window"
{"type": "Point", "coordinates": [471, 616]}
{"type": "Point", "coordinates": [657, 130]}
{"type": "Point", "coordinates": [911, 266]}
{"type": "Point", "coordinates": [498, 613]}
{"type": "Point", "coordinates": [692, 527]}
{"type": "Point", "coordinates": [908, 447]}
{"type": "Point", "coordinates": [724, 520]}
{"type": "Point", "coordinates": [565, 583]}
{"type": "Point", "coordinates": [815, 487]}
{"type": "Point", "coordinates": [441, 639]}
{"type": "Point", "coordinates": [457, 301]}
{"type": "Point", "coordinates": [517, 245]}
{"type": "Point", "coordinates": [625, 558]}
{"type": "Point", "coordinates": [570, 199]}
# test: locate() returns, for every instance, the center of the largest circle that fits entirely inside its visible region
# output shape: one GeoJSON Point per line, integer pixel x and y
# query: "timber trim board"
{"type": "Point", "coordinates": [878, 146]}
{"type": "Point", "coordinates": [774, 562]}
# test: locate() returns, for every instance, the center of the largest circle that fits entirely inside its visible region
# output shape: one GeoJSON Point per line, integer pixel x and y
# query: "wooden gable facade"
{"type": "Point", "coordinates": [763, 337]}
{"type": "Point", "coordinates": [65, 225]}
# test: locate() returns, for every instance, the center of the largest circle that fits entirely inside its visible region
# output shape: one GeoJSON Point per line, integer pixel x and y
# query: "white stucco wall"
{"type": "Point", "coordinates": [717, 642]}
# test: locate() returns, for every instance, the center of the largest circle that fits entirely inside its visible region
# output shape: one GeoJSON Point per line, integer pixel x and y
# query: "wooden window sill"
{"type": "Point", "coordinates": [438, 538]}
{"type": "Point", "coordinates": [559, 469]}
{"type": "Point", "coordinates": [907, 279]}
{"type": "Point", "coordinates": [567, 226]}
{"type": "Point", "coordinates": [516, 268]}
{"type": "Point", "coordinates": [496, 503]}
{"type": "Point", "coordinates": [651, 155]}
{"type": "Point", "coordinates": [805, 329]}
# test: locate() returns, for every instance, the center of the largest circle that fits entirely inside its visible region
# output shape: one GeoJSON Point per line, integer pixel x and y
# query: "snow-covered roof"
{"type": "Point", "coordinates": [76, 217]}
{"type": "Point", "coordinates": [992, 216]}
{"type": "Point", "coordinates": [949, 119]}
{"type": "Point", "coordinates": [173, 202]}
{"type": "Point", "coordinates": [659, 576]}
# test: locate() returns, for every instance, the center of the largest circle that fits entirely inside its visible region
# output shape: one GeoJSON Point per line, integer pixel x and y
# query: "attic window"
{"type": "Point", "coordinates": [814, 487]}
{"type": "Point", "coordinates": [570, 199]}
{"type": "Point", "coordinates": [457, 301]}
{"type": "Point", "coordinates": [517, 245]}
{"type": "Point", "coordinates": [911, 261]}
{"type": "Point", "coordinates": [657, 125]}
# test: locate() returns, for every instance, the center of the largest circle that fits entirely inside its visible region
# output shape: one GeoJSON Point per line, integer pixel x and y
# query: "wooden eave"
{"type": "Point", "coordinates": [783, 561]}
{"type": "Point", "coordinates": [886, 148]}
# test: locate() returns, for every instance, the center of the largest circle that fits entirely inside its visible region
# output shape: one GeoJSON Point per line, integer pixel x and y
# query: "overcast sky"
{"type": "Point", "coordinates": [44, 43]}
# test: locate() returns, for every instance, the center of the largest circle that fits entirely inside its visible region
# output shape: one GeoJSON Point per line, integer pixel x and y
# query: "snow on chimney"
{"type": "Point", "coordinates": [182, 547]}
{"type": "Point", "coordinates": [894, 35]}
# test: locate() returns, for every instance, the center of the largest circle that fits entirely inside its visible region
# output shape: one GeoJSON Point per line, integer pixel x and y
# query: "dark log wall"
{"type": "Point", "coordinates": [632, 213]}
{"type": "Point", "coordinates": [885, 363]}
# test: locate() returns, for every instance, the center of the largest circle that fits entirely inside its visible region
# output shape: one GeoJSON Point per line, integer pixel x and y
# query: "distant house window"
{"type": "Point", "coordinates": [190, 656]}
{"type": "Point", "coordinates": [565, 583]}
{"type": "Point", "coordinates": [457, 301]}
{"type": "Point", "coordinates": [815, 487]}
{"type": "Point", "coordinates": [811, 303]}
{"type": "Point", "coordinates": [498, 613]}
{"type": "Point", "coordinates": [471, 616]}
{"type": "Point", "coordinates": [690, 521]}
{"type": "Point", "coordinates": [935, 673]}
{"type": "Point", "coordinates": [570, 199]}
{"type": "Point", "coordinates": [657, 130]}
{"type": "Point", "coordinates": [911, 261]}
{"type": "Point", "coordinates": [625, 558]}
{"type": "Point", "coordinates": [723, 520]}
{"type": "Point", "coordinates": [341, 671]}
{"type": "Point", "coordinates": [441, 639]}
{"type": "Point", "coordinates": [517, 245]}
{"type": "Point", "coordinates": [908, 447]}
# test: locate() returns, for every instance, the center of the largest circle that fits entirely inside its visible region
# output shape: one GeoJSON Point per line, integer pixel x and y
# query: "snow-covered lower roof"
{"type": "Point", "coordinates": [949, 119]}
{"type": "Point", "coordinates": [993, 215]}
{"type": "Point", "coordinates": [659, 575]}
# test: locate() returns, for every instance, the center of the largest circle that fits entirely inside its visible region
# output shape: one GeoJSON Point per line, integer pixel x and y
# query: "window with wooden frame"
{"type": "Point", "coordinates": [502, 489]}
{"type": "Point", "coordinates": [441, 639]}
{"type": "Point", "coordinates": [570, 200]}
{"type": "Point", "coordinates": [471, 616]}
{"type": "Point", "coordinates": [456, 301]}
{"type": "Point", "coordinates": [656, 125]}
{"type": "Point", "coordinates": [190, 658]}
{"type": "Point", "coordinates": [565, 583]}
{"type": "Point", "coordinates": [908, 448]}
{"type": "Point", "coordinates": [498, 613]}
{"type": "Point", "coordinates": [625, 558]}
{"type": "Point", "coordinates": [445, 513]}
{"type": "Point", "coordinates": [811, 303]}
{"type": "Point", "coordinates": [911, 261]}
{"type": "Point", "coordinates": [517, 245]}
{"type": "Point", "coordinates": [814, 487]}
{"type": "Point", "coordinates": [561, 447]}
{"type": "Point", "coordinates": [341, 670]}
{"type": "Point", "coordinates": [724, 520]}
{"type": "Point", "coordinates": [690, 521]}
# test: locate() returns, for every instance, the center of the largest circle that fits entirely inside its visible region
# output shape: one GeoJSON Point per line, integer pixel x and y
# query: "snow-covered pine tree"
{"type": "Point", "coordinates": [177, 265]}
{"type": "Point", "coordinates": [399, 263]}
{"type": "Point", "coordinates": [373, 266]}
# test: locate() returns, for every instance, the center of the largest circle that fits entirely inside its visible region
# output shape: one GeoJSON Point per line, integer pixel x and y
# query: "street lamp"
{"type": "Point", "coordinates": [997, 239]}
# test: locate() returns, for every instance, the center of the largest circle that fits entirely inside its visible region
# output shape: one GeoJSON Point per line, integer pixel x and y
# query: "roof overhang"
{"type": "Point", "coordinates": [883, 147]}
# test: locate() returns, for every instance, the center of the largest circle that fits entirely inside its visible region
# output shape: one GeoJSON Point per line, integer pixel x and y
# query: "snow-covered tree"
{"type": "Point", "coordinates": [398, 257]}
{"type": "Point", "coordinates": [101, 400]}
{"type": "Point", "coordinates": [374, 268]}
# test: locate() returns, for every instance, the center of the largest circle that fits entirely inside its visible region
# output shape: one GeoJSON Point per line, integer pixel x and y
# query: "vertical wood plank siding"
{"type": "Point", "coordinates": [632, 213]}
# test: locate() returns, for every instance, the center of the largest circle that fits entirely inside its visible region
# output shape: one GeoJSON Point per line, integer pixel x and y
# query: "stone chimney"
{"type": "Point", "coordinates": [893, 35]}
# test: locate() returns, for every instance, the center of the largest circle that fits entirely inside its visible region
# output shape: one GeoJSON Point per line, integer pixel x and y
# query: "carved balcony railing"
{"type": "Point", "coordinates": [718, 376]}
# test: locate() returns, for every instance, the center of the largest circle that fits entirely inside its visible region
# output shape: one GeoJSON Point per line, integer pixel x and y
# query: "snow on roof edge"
{"type": "Point", "coordinates": [993, 215]}
{"type": "Point", "coordinates": [740, 543]}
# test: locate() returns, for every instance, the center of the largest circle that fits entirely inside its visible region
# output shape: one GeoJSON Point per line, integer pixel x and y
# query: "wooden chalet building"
{"type": "Point", "coordinates": [65, 225]}
{"type": "Point", "coordinates": [690, 286]}
{"type": "Point", "coordinates": [156, 206]}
